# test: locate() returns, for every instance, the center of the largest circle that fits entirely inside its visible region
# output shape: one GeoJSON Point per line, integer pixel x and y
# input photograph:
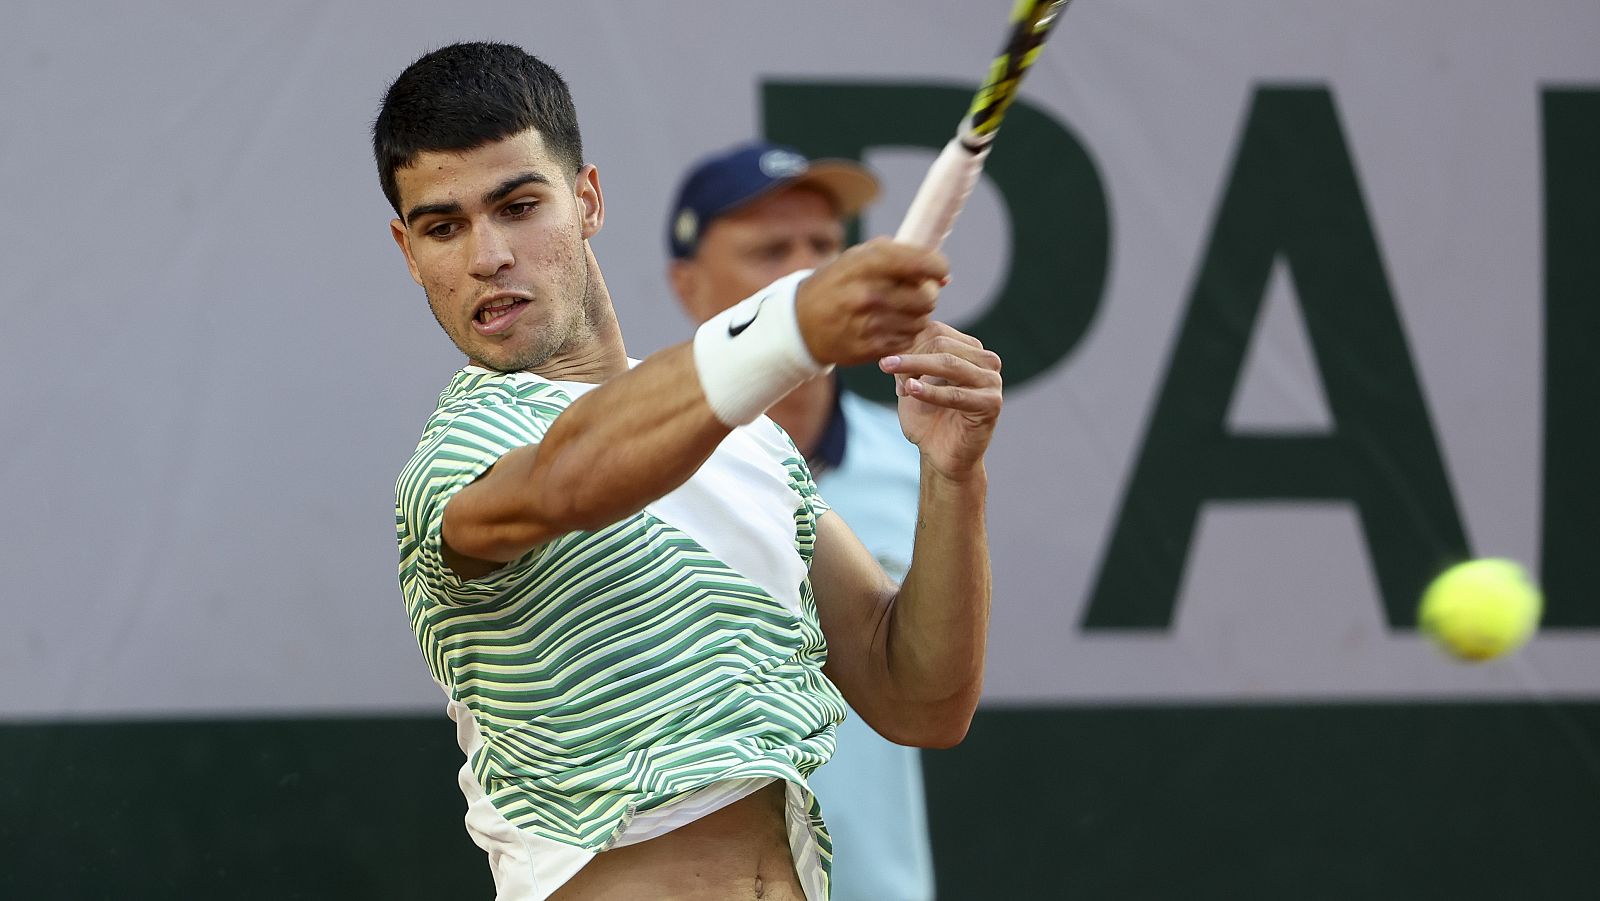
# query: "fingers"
{"type": "Point", "coordinates": [900, 283]}
{"type": "Point", "coordinates": [941, 347]}
{"type": "Point", "coordinates": [934, 331]}
{"type": "Point", "coordinates": [906, 263]}
{"type": "Point", "coordinates": [882, 263]}
{"type": "Point", "coordinates": [875, 298]}
{"type": "Point", "coordinates": [949, 369]}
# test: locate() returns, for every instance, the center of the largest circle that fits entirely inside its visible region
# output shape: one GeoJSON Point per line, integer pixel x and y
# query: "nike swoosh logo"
{"type": "Point", "coordinates": [734, 330]}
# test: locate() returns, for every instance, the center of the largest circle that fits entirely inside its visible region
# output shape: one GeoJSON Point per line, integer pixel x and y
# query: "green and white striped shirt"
{"type": "Point", "coordinates": [614, 672]}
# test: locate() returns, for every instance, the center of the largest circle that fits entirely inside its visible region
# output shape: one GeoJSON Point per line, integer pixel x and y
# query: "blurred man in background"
{"type": "Point", "coordinates": [744, 218]}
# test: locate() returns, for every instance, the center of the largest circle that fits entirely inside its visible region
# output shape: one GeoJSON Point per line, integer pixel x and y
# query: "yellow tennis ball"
{"type": "Point", "coordinates": [1481, 609]}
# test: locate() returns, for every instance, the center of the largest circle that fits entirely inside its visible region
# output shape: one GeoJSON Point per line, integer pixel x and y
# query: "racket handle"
{"type": "Point", "coordinates": [943, 192]}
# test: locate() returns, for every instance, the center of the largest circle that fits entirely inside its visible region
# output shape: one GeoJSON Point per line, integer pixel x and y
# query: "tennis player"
{"type": "Point", "coordinates": [644, 617]}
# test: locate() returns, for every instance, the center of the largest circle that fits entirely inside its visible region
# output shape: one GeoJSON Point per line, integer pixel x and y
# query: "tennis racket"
{"type": "Point", "coordinates": [955, 172]}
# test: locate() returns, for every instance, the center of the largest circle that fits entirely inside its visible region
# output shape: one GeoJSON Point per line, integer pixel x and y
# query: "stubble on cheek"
{"type": "Point", "coordinates": [552, 325]}
{"type": "Point", "coordinates": [437, 308]}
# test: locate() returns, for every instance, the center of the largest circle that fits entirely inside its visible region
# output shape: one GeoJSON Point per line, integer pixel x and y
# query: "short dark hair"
{"type": "Point", "coordinates": [467, 95]}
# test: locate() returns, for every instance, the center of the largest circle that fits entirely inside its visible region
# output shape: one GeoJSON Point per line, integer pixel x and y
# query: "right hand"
{"type": "Point", "coordinates": [872, 301]}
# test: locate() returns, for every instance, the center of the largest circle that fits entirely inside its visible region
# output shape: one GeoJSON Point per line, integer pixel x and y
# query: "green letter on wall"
{"type": "Point", "coordinates": [1293, 195]}
{"type": "Point", "coordinates": [1060, 229]}
{"type": "Point", "coordinates": [1571, 563]}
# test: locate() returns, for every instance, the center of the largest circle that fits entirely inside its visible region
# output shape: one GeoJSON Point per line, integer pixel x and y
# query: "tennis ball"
{"type": "Point", "coordinates": [1481, 609]}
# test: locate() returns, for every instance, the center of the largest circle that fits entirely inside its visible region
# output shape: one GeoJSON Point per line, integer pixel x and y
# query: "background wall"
{"type": "Point", "coordinates": [1298, 303]}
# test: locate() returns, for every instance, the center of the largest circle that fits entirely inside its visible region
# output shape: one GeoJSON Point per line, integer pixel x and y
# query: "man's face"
{"type": "Point", "coordinates": [746, 250]}
{"type": "Point", "coordinates": [496, 238]}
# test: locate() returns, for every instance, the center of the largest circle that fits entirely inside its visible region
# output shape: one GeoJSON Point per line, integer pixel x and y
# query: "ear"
{"type": "Point", "coordinates": [397, 230]}
{"type": "Point", "coordinates": [591, 202]}
{"type": "Point", "coordinates": [687, 283]}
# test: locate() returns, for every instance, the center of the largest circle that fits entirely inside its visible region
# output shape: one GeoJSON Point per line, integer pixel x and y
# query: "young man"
{"type": "Point", "coordinates": [619, 572]}
{"type": "Point", "coordinates": [744, 218]}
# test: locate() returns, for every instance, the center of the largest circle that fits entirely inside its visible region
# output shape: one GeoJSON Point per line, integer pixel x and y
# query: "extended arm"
{"type": "Point", "coordinates": [606, 456]}
{"type": "Point", "coordinates": [644, 432]}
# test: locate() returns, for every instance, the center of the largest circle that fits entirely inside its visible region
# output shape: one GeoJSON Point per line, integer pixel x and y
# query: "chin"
{"type": "Point", "coordinates": [489, 355]}
{"type": "Point", "coordinates": [514, 361]}
{"type": "Point", "coordinates": [500, 364]}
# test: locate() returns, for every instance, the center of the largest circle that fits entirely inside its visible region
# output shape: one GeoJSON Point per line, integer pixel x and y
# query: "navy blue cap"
{"type": "Point", "coordinates": [720, 184]}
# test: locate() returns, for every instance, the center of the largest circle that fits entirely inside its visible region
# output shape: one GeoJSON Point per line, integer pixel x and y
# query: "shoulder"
{"type": "Point", "coordinates": [766, 434]}
{"type": "Point", "coordinates": [475, 389]}
{"type": "Point", "coordinates": [476, 400]}
{"type": "Point", "coordinates": [480, 416]}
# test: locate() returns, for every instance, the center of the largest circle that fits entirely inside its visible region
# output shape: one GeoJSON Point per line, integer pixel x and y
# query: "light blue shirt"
{"type": "Point", "coordinates": [871, 791]}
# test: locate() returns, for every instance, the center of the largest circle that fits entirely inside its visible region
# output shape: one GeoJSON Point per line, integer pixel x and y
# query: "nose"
{"type": "Point", "coordinates": [491, 251]}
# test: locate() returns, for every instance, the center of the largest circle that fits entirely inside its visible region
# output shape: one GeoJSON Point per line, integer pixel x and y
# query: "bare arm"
{"type": "Point", "coordinates": [645, 432]}
{"type": "Point", "coordinates": [910, 659]}
{"type": "Point", "coordinates": [614, 450]}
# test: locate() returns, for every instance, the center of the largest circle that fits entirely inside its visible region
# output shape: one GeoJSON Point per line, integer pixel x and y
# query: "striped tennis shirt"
{"type": "Point", "coordinates": [645, 666]}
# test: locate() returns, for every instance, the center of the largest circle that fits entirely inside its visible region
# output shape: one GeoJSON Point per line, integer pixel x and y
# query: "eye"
{"type": "Point", "coordinates": [521, 208]}
{"type": "Point", "coordinates": [441, 230]}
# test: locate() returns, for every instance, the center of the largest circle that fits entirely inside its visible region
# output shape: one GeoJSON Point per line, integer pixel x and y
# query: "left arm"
{"type": "Point", "coordinates": [909, 658]}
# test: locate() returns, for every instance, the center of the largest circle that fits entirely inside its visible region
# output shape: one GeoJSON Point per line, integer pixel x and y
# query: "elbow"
{"type": "Point", "coordinates": [946, 736]}
{"type": "Point", "coordinates": [951, 726]}
{"type": "Point", "coordinates": [935, 726]}
{"type": "Point", "coordinates": [934, 735]}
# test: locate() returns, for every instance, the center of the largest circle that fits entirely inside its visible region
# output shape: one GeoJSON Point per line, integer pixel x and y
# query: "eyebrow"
{"type": "Point", "coordinates": [492, 196]}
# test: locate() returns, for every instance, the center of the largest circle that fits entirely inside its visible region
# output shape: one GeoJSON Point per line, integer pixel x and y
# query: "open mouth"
{"type": "Point", "coordinates": [497, 315]}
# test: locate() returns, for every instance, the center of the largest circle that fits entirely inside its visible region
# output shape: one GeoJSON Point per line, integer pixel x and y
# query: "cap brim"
{"type": "Point", "coordinates": [850, 184]}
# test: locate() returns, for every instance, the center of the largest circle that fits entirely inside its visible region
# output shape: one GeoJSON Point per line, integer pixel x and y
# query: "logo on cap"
{"type": "Point", "coordinates": [782, 164]}
{"type": "Point", "coordinates": [686, 227]}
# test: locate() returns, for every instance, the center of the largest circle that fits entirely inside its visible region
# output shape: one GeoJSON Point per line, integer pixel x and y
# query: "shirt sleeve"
{"type": "Point", "coordinates": [815, 500]}
{"type": "Point", "coordinates": [811, 506]}
{"type": "Point", "coordinates": [461, 447]}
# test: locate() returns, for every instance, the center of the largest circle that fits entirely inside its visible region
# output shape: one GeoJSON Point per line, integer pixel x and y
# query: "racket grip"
{"type": "Point", "coordinates": [943, 192]}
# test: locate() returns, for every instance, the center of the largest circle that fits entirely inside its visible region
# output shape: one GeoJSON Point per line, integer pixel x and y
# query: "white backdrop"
{"type": "Point", "coordinates": [214, 361]}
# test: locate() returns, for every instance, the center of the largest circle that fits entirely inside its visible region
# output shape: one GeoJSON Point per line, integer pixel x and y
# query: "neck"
{"type": "Point", "coordinates": [600, 353]}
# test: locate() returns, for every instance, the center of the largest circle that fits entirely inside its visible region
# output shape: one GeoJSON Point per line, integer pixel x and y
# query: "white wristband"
{"type": "Point", "coordinates": [752, 354]}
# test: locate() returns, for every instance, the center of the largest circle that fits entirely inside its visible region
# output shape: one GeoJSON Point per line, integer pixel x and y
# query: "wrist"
{"type": "Point", "coordinates": [752, 354]}
{"type": "Point", "coordinates": [965, 477]}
